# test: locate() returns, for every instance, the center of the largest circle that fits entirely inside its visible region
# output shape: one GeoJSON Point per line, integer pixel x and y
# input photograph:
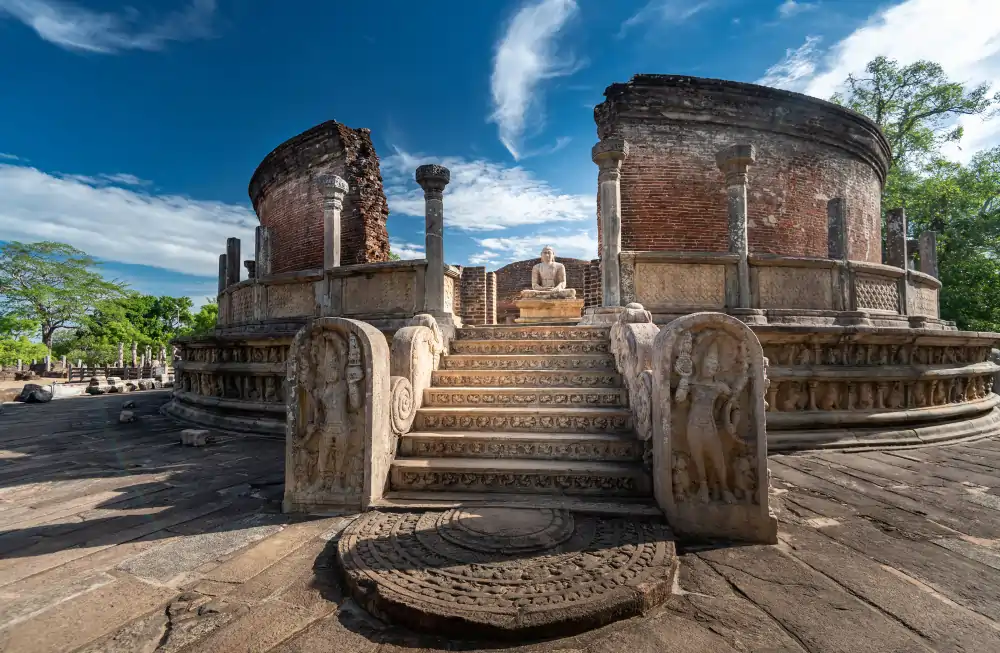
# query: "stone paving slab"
{"type": "Point", "coordinates": [878, 551]}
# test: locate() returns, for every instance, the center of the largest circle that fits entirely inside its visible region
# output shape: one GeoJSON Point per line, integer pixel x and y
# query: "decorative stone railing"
{"type": "Point", "coordinates": [670, 284]}
{"type": "Point", "coordinates": [386, 292]}
{"type": "Point", "coordinates": [844, 387]}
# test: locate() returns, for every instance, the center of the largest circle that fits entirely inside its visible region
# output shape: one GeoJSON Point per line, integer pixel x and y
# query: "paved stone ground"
{"type": "Point", "coordinates": [115, 538]}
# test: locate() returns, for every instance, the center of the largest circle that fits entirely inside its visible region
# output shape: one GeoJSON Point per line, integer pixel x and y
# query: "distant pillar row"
{"type": "Point", "coordinates": [433, 178]}
{"type": "Point", "coordinates": [609, 155]}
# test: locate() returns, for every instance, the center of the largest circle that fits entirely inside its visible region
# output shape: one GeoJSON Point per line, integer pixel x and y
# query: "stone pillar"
{"type": "Point", "coordinates": [491, 298]}
{"type": "Point", "coordinates": [79, 362]}
{"type": "Point", "coordinates": [149, 355]}
{"type": "Point", "coordinates": [609, 155]}
{"type": "Point", "coordinates": [836, 229]}
{"type": "Point", "coordinates": [48, 363]}
{"type": "Point", "coordinates": [927, 244]}
{"type": "Point", "coordinates": [895, 237]}
{"type": "Point", "coordinates": [135, 354]}
{"type": "Point", "coordinates": [262, 251]}
{"type": "Point", "coordinates": [735, 162]}
{"type": "Point", "coordinates": [121, 355]}
{"type": "Point", "coordinates": [20, 365]}
{"type": "Point", "coordinates": [334, 189]}
{"type": "Point", "coordinates": [232, 261]}
{"type": "Point", "coordinates": [433, 178]}
{"type": "Point", "coordinates": [223, 271]}
{"type": "Point", "coordinates": [63, 361]}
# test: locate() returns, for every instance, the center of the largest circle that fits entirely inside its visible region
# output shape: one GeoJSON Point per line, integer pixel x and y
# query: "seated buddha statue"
{"type": "Point", "coordinates": [548, 279]}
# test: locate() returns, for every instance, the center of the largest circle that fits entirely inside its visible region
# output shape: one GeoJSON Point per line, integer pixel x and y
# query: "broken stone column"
{"type": "Point", "coordinates": [262, 251]}
{"type": "Point", "coordinates": [338, 440]}
{"type": "Point", "coordinates": [163, 354]}
{"type": "Point", "coordinates": [63, 361]}
{"type": "Point", "coordinates": [895, 237]}
{"type": "Point", "coordinates": [710, 446]}
{"type": "Point", "coordinates": [232, 261]}
{"type": "Point", "coordinates": [48, 363]}
{"type": "Point", "coordinates": [836, 229]}
{"type": "Point", "coordinates": [121, 355]}
{"type": "Point", "coordinates": [334, 189]}
{"type": "Point", "coordinates": [927, 244]}
{"type": "Point", "coordinates": [735, 162]}
{"type": "Point", "coordinates": [20, 365]}
{"type": "Point", "coordinates": [135, 354]}
{"type": "Point", "coordinates": [609, 154]}
{"type": "Point", "coordinates": [223, 271]}
{"type": "Point", "coordinates": [433, 178]}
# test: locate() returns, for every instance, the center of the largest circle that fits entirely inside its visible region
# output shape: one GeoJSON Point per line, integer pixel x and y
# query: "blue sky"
{"type": "Point", "coordinates": [132, 133]}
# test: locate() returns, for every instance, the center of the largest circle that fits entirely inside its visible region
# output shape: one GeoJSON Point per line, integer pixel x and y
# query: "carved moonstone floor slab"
{"type": "Point", "coordinates": [511, 573]}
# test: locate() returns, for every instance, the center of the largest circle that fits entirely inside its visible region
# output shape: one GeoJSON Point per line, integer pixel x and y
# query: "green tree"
{"type": "Point", "coordinates": [205, 319]}
{"type": "Point", "coordinates": [50, 284]}
{"type": "Point", "coordinates": [917, 107]}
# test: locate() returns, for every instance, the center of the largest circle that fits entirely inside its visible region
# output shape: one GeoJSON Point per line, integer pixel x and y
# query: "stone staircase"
{"type": "Point", "coordinates": [525, 414]}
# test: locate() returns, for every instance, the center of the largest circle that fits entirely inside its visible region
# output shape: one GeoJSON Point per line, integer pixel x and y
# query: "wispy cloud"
{"type": "Point", "coordinates": [525, 56]}
{"type": "Point", "coordinates": [954, 34]}
{"type": "Point", "coordinates": [794, 71]}
{"type": "Point", "coordinates": [502, 250]}
{"type": "Point", "coordinates": [405, 250]}
{"type": "Point", "coordinates": [9, 157]}
{"type": "Point", "coordinates": [664, 11]}
{"type": "Point", "coordinates": [790, 8]}
{"type": "Point", "coordinates": [120, 223]}
{"type": "Point", "coordinates": [483, 195]}
{"type": "Point", "coordinates": [77, 28]}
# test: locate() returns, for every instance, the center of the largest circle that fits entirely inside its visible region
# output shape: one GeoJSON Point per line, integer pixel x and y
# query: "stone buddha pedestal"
{"type": "Point", "coordinates": [549, 300]}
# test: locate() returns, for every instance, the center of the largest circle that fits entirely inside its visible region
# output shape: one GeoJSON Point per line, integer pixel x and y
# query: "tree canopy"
{"type": "Point", "coordinates": [918, 107]}
{"type": "Point", "coordinates": [51, 285]}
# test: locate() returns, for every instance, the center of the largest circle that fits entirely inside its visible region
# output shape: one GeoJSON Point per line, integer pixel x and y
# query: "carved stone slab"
{"type": "Point", "coordinates": [710, 446]}
{"type": "Point", "coordinates": [506, 572]}
{"type": "Point", "coordinates": [338, 442]}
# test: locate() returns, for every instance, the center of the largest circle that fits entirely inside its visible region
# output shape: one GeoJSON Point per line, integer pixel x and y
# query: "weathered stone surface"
{"type": "Point", "coordinates": [196, 437]}
{"type": "Point", "coordinates": [710, 447]}
{"type": "Point", "coordinates": [339, 442]}
{"type": "Point", "coordinates": [506, 572]}
{"type": "Point", "coordinates": [126, 417]}
{"type": "Point", "coordinates": [537, 310]}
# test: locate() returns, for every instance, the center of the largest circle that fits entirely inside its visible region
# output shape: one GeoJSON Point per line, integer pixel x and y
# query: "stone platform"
{"type": "Point", "coordinates": [506, 573]}
{"type": "Point", "coordinates": [537, 310]}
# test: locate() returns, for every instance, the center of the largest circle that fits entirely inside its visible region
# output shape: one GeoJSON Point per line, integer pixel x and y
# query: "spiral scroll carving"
{"type": "Point", "coordinates": [641, 399]}
{"type": "Point", "coordinates": [402, 405]}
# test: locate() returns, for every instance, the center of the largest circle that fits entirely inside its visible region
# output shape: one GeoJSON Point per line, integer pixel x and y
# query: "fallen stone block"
{"type": "Point", "coordinates": [32, 393]}
{"type": "Point", "coordinates": [62, 391]}
{"type": "Point", "coordinates": [126, 417]}
{"type": "Point", "coordinates": [196, 437]}
{"type": "Point", "coordinates": [97, 389]}
{"type": "Point", "coordinates": [128, 404]}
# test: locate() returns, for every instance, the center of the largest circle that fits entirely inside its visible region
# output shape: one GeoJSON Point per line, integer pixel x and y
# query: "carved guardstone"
{"type": "Point", "coordinates": [338, 443]}
{"type": "Point", "coordinates": [710, 447]}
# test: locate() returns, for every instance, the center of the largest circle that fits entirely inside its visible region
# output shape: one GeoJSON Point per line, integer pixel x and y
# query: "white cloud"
{"type": "Point", "coordinates": [790, 8]}
{"type": "Point", "coordinates": [483, 195]}
{"type": "Point", "coordinates": [9, 157]}
{"type": "Point", "coordinates": [123, 224]}
{"type": "Point", "coordinates": [663, 11]}
{"type": "Point", "coordinates": [525, 56]}
{"type": "Point", "coordinates": [959, 35]}
{"type": "Point", "coordinates": [796, 69]}
{"type": "Point", "coordinates": [77, 28]}
{"type": "Point", "coordinates": [582, 244]}
{"type": "Point", "coordinates": [406, 251]}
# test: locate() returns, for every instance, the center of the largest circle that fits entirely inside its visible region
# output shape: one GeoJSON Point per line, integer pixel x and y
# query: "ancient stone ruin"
{"type": "Point", "coordinates": [740, 305]}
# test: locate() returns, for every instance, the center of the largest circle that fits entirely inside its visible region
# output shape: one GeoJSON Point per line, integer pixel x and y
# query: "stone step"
{"type": "Point", "coordinates": [548, 347]}
{"type": "Point", "coordinates": [551, 420]}
{"type": "Point", "coordinates": [539, 332]}
{"type": "Point", "coordinates": [548, 397]}
{"type": "Point", "coordinates": [525, 379]}
{"type": "Point", "coordinates": [611, 447]}
{"type": "Point", "coordinates": [637, 507]}
{"type": "Point", "coordinates": [558, 477]}
{"type": "Point", "coordinates": [595, 362]}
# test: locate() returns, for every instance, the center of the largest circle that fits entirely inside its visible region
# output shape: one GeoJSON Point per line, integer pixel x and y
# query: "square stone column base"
{"type": "Point", "coordinates": [541, 311]}
{"type": "Point", "coordinates": [601, 315]}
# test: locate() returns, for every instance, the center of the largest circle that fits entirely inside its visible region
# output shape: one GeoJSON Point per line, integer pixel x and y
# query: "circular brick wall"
{"type": "Point", "coordinates": [808, 152]}
{"type": "Point", "coordinates": [288, 199]}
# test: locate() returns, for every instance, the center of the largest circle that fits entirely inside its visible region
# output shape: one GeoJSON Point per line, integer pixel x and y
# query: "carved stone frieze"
{"type": "Point", "coordinates": [873, 395]}
{"type": "Point", "coordinates": [876, 293]}
{"type": "Point", "coordinates": [236, 354]}
{"type": "Point", "coordinates": [493, 397]}
{"type": "Point", "coordinates": [525, 422]}
{"type": "Point", "coordinates": [473, 481]}
{"type": "Point", "coordinates": [533, 333]}
{"type": "Point", "coordinates": [290, 300]}
{"type": "Point", "coordinates": [539, 347]}
{"type": "Point", "coordinates": [863, 354]}
{"type": "Point", "coordinates": [680, 284]}
{"type": "Point", "coordinates": [514, 379]}
{"type": "Point", "coordinates": [459, 362]}
{"type": "Point", "coordinates": [242, 387]}
{"type": "Point", "coordinates": [241, 305]}
{"type": "Point", "coordinates": [608, 450]}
